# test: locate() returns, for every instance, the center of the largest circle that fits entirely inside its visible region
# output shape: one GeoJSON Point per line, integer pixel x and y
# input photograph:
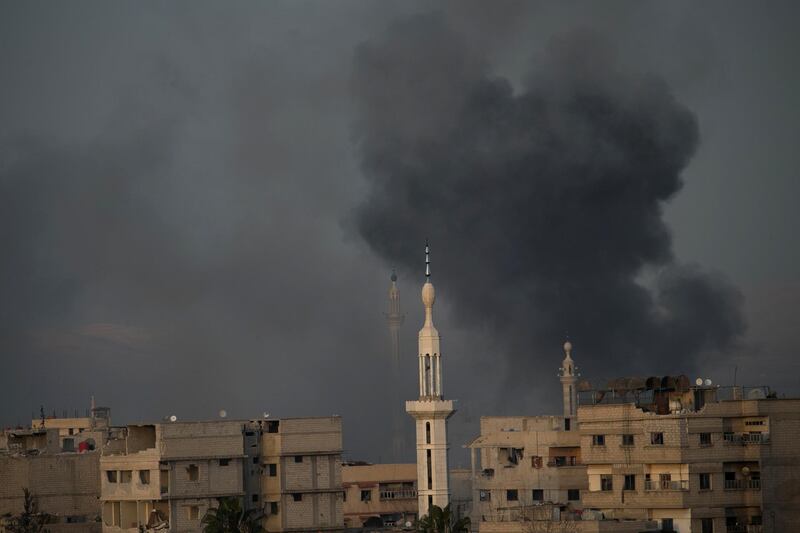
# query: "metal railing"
{"type": "Point", "coordinates": [659, 484]}
{"type": "Point", "coordinates": [398, 494]}
{"type": "Point", "coordinates": [564, 461]}
{"type": "Point", "coordinates": [744, 529]}
{"type": "Point", "coordinates": [745, 438]}
{"type": "Point", "coordinates": [743, 484]}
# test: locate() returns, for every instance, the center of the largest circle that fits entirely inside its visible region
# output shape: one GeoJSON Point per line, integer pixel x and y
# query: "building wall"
{"type": "Point", "coordinates": [393, 501]}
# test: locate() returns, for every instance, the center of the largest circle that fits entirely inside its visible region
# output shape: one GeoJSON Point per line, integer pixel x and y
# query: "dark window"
{"type": "Point", "coordinates": [112, 476]}
{"type": "Point", "coordinates": [666, 524]}
{"type": "Point", "coordinates": [706, 525]}
{"type": "Point", "coordinates": [366, 495]}
{"type": "Point", "coordinates": [224, 462]}
{"type": "Point", "coordinates": [427, 432]}
{"type": "Point", "coordinates": [705, 481]}
{"type": "Point", "coordinates": [705, 439]}
{"type": "Point", "coordinates": [249, 434]}
{"type": "Point", "coordinates": [273, 469]}
{"type": "Point", "coordinates": [573, 495]}
{"type": "Point", "coordinates": [298, 458]}
{"type": "Point", "coordinates": [630, 482]}
{"type": "Point", "coordinates": [193, 471]}
{"type": "Point", "coordinates": [538, 495]}
{"type": "Point", "coordinates": [144, 477]}
{"type": "Point", "coordinates": [657, 438]}
{"type": "Point", "coordinates": [272, 427]}
{"type": "Point", "coordinates": [297, 497]}
{"type": "Point", "coordinates": [273, 507]}
{"type": "Point", "coordinates": [485, 495]}
{"type": "Point", "coordinates": [255, 460]}
{"type": "Point", "coordinates": [255, 498]}
{"type": "Point", "coordinates": [511, 495]}
{"type": "Point", "coordinates": [566, 424]}
{"type": "Point", "coordinates": [606, 482]}
{"type": "Point", "coordinates": [598, 440]}
{"type": "Point", "coordinates": [627, 439]}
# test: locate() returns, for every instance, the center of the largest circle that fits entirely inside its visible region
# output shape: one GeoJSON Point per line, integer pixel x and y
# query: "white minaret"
{"type": "Point", "coordinates": [569, 377]}
{"type": "Point", "coordinates": [431, 411]}
{"type": "Point", "coordinates": [394, 319]}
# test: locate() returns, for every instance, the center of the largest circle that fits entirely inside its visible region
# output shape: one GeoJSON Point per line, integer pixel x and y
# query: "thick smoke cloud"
{"type": "Point", "coordinates": [543, 203]}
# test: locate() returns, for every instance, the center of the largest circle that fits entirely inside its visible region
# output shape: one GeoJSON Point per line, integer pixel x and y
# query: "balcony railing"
{"type": "Point", "coordinates": [744, 529]}
{"type": "Point", "coordinates": [743, 484]}
{"type": "Point", "coordinates": [745, 438]}
{"type": "Point", "coordinates": [400, 494]}
{"type": "Point", "coordinates": [564, 461]}
{"type": "Point", "coordinates": [658, 484]}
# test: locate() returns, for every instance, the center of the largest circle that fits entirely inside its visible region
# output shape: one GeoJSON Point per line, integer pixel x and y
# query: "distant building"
{"type": "Point", "coordinates": [166, 476]}
{"type": "Point", "coordinates": [380, 495]}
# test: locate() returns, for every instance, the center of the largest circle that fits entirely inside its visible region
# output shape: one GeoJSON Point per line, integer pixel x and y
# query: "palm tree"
{"type": "Point", "coordinates": [229, 517]}
{"type": "Point", "coordinates": [441, 520]}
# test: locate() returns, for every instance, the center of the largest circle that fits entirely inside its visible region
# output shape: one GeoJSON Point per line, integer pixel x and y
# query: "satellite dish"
{"type": "Point", "coordinates": [223, 413]}
{"type": "Point", "coordinates": [408, 524]}
{"type": "Point", "coordinates": [745, 470]}
{"type": "Point", "coordinates": [173, 418]}
{"type": "Point", "coordinates": [266, 414]}
{"type": "Point", "coordinates": [698, 382]}
{"type": "Point", "coordinates": [708, 382]}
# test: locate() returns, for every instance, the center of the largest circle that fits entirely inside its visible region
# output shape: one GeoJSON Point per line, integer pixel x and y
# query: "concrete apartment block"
{"type": "Point", "coordinates": [699, 464]}
{"type": "Point", "coordinates": [380, 495]}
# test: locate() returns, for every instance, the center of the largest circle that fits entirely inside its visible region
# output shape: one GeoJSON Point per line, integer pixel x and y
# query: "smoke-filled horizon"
{"type": "Point", "coordinates": [200, 206]}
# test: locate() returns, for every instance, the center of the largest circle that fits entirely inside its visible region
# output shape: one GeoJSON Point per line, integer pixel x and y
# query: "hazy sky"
{"type": "Point", "coordinates": [200, 204]}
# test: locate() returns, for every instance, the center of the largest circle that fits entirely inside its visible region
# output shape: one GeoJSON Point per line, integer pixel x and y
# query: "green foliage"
{"type": "Point", "coordinates": [440, 520]}
{"type": "Point", "coordinates": [230, 517]}
{"type": "Point", "coordinates": [31, 520]}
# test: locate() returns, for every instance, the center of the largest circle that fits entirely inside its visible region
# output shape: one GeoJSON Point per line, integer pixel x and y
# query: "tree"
{"type": "Point", "coordinates": [440, 520]}
{"type": "Point", "coordinates": [229, 517]}
{"type": "Point", "coordinates": [31, 520]}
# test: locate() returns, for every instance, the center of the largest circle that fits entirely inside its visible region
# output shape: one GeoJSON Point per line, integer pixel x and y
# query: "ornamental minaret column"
{"type": "Point", "coordinates": [431, 410]}
{"type": "Point", "coordinates": [394, 319]}
{"type": "Point", "coordinates": [568, 374]}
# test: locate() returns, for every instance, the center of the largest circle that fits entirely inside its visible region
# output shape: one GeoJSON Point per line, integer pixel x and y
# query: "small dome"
{"type": "Point", "coordinates": [394, 276]}
{"type": "Point", "coordinates": [567, 347]}
{"type": "Point", "coordinates": [428, 294]}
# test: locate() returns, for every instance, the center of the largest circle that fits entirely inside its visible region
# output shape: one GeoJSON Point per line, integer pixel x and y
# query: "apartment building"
{"type": "Point", "coordinates": [166, 476]}
{"type": "Point", "coordinates": [379, 495]}
{"type": "Point", "coordinates": [694, 458]}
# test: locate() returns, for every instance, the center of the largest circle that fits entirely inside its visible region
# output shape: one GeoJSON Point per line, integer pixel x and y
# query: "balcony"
{"type": "Point", "coordinates": [398, 494]}
{"type": "Point", "coordinates": [742, 484]}
{"type": "Point", "coordinates": [564, 461]}
{"type": "Point", "coordinates": [744, 529]}
{"type": "Point", "coordinates": [680, 484]}
{"type": "Point", "coordinates": [745, 438]}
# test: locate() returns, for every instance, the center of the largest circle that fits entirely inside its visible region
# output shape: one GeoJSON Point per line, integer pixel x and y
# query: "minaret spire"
{"type": "Point", "coordinates": [394, 319]}
{"type": "Point", "coordinates": [431, 411]}
{"type": "Point", "coordinates": [569, 377]}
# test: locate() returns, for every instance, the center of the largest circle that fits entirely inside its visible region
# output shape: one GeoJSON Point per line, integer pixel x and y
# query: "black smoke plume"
{"type": "Point", "coordinates": [543, 203]}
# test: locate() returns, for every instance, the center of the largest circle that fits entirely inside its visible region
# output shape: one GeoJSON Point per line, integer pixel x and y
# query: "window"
{"type": "Point", "coordinates": [68, 445]}
{"type": "Point", "coordinates": [193, 472]}
{"type": "Point", "coordinates": [748, 423]}
{"type": "Point", "coordinates": [485, 495]}
{"type": "Point", "coordinates": [254, 498]}
{"type": "Point", "coordinates": [273, 507]}
{"type": "Point", "coordinates": [512, 495]}
{"type": "Point", "coordinates": [224, 462]}
{"type": "Point", "coordinates": [298, 458]}
{"type": "Point", "coordinates": [72, 431]}
{"type": "Point", "coordinates": [630, 482]}
{"type": "Point", "coordinates": [194, 512]}
{"type": "Point", "coordinates": [705, 439]}
{"type": "Point", "coordinates": [249, 434]}
{"type": "Point", "coordinates": [706, 525]}
{"type": "Point", "coordinates": [667, 525]}
{"type": "Point", "coordinates": [366, 495]}
{"type": "Point", "coordinates": [273, 469]}
{"type": "Point", "coordinates": [606, 482]}
{"type": "Point", "coordinates": [566, 424]}
{"type": "Point", "coordinates": [144, 477]}
{"type": "Point", "coordinates": [297, 497]}
{"type": "Point", "coordinates": [126, 476]}
{"type": "Point", "coordinates": [112, 476]}
{"type": "Point", "coordinates": [255, 460]}
{"type": "Point", "coordinates": [598, 440]}
{"type": "Point", "coordinates": [272, 426]}
{"type": "Point", "coordinates": [627, 439]}
{"type": "Point", "coordinates": [344, 495]}
{"type": "Point", "coordinates": [538, 495]}
{"type": "Point", "coordinates": [427, 432]}
{"type": "Point", "coordinates": [705, 481]}
{"type": "Point", "coordinates": [573, 495]}
{"type": "Point", "coordinates": [657, 438]}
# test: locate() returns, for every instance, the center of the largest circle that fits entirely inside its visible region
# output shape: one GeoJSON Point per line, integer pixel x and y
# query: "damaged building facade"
{"type": "Point", "coordinates": [379, 495]}
{"type": "Point", "coordinates": [166, 476]}
{"type": "Point", "coordinates": [57, 460]}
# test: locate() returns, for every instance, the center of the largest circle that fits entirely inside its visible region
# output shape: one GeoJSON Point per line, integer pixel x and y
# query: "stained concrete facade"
{"type": "Point", "coordinates": [379, 495]}
{"type": "Point", "coordinates": [731, 466]}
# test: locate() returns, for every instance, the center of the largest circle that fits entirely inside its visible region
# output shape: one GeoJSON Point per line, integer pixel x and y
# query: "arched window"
{"type": "Point", "coordinates": [427, 432]}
